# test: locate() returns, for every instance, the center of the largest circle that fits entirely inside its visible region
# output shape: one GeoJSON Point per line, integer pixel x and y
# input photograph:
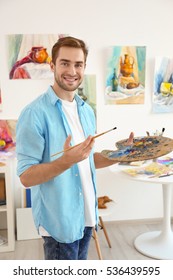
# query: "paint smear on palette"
{"type": "Point", "coordinates": [143, 148]}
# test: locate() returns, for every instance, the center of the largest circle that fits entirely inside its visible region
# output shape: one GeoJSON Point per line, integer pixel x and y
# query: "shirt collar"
{"type": "Point", "coordinates": [54, 98]}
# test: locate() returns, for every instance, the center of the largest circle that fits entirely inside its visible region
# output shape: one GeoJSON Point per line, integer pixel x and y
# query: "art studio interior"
{"type": "Point", "coordinates": [128, 82]}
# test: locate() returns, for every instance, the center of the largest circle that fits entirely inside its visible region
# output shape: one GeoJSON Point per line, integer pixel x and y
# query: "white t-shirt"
{"type": "Point", "coordinates": [70, 110]}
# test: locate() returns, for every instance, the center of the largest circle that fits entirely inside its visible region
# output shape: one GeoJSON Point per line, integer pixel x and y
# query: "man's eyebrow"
{"type": "Point", "coordinates": [67, 60]}
{"type": "Point", "coordinates": [64, 60]}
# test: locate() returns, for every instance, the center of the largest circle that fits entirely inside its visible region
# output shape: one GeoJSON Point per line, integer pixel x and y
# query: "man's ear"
{"type": "Point", "coordinates": [52, 66]}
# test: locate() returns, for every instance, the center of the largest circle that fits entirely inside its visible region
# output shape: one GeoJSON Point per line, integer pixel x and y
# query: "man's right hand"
{"type": "Point", "coordinates": [78, 152]}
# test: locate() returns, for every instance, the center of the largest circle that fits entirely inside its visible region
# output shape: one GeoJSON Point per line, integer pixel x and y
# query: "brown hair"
{"type": "Point", "coordinates": [68, 42]}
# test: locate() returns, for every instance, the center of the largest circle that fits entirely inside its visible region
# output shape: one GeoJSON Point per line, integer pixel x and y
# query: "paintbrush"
{"type": "Point", "coordinates": [163, 129]}
{"type": "Point", "coordinates": [71, 147]}
{"type": "Point", "coordinates": [165, 175]}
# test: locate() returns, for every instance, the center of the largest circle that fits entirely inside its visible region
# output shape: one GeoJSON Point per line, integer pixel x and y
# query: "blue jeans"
{"type": "Point", "coordinates": [78, 250]}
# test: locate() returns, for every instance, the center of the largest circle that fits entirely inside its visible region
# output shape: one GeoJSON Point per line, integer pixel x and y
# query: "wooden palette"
{"type": "Point", "coordinates": [143, 148]}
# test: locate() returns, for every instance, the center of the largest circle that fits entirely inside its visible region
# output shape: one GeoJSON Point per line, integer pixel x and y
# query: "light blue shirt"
{"type": "Point", "coordinates": [42, 128]}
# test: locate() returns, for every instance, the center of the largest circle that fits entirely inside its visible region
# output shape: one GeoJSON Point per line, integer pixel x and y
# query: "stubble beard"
{"type": "Point", "coordinates": [66, 87]}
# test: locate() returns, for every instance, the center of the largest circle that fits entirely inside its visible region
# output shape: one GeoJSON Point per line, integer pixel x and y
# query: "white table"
{"type": "Point", "coordinates": [155, 244]}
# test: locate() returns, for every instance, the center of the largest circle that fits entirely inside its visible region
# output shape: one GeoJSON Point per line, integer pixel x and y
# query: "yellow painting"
{"type": "Point", "coordinates": [125, 78]}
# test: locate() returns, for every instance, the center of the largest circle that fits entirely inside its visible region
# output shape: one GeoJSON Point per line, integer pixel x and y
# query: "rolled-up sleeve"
{"type": "Point", "coordinates": [29, 140]}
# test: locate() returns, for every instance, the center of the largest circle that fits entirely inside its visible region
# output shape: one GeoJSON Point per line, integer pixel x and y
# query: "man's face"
{"type": "Point", "coordinates": [69, 68]}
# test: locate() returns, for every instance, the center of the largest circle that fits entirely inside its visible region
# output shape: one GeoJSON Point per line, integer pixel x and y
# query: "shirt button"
{"type": "Point", "coordinates": [80, 193]}
{"type": "Point", "coordinates": [76, 174]}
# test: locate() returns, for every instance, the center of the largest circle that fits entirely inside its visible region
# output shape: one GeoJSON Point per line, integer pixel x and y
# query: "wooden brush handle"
{"type": "Point", "coordinates": [98, 135]}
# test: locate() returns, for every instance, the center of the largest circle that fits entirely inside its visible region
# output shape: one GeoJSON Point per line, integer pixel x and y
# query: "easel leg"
{"type": "Point", "coordinates": [97, 244]}
{"type": "Point", "coordinates": [105, 232]}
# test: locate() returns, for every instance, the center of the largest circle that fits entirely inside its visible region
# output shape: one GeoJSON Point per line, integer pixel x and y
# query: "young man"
{"type": "Point", "coordinates": [64, 199]}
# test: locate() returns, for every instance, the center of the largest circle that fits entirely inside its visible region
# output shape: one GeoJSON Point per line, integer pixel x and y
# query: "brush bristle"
{"type": "Point", "coordinates": [115, 128]}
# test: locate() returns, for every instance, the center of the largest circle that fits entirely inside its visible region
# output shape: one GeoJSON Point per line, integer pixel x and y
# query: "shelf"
{"type": "Point", "coordinates": [3, 236]}
{"type": "Point", "coordinates": [4, 248]}
{"type": "Point", "coordinates": [3, 169]}
{"type": "Point", "coordinates": [9, 233]}
{"type": "Point", "coordinates": [3, 208]}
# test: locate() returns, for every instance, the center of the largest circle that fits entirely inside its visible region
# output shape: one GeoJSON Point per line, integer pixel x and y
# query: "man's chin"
{"type": "Point", "coordinates": [71, 87]}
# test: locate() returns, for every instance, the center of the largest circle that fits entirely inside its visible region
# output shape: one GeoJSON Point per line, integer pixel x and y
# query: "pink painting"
{"type": "Point", "coordinates": [7, 138]}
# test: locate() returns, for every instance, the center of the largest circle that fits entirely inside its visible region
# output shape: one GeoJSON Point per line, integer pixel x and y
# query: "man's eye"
{"type": "Point", "coordinates": [79, 65]}
{"type": "Point", "coordinates": [64, 64]}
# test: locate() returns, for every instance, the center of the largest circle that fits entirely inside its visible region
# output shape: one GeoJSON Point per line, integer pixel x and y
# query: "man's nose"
{"type": "Point", "coordinates": [72, 70]}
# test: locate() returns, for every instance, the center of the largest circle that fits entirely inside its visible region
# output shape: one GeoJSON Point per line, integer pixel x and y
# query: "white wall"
{"type": "Point", "coordinates": [101, 24]}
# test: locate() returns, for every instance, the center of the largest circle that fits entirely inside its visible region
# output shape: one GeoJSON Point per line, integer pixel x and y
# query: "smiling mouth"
{"type": "Point", "coordinates": [70, 79]}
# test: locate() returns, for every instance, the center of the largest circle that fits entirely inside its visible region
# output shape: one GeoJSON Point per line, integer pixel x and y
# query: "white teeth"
{"type": "Point", "coordinates": [70, 80]}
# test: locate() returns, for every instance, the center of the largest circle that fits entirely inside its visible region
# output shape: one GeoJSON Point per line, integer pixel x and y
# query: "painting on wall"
{"type": "Point", "coordinates": [29, 55]}
{"type": "Point", "coordinates": [87, 90]}
{"type": "Point", "coordinates": [7, 138]}
{"type": "Point", "coordinates": [125, 75]}
{"type": "Point", "coordinates": [163, 85]}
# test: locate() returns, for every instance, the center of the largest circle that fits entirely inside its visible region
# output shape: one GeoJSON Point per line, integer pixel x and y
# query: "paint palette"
{"type": "Point", "coordinates": [143, 148]}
